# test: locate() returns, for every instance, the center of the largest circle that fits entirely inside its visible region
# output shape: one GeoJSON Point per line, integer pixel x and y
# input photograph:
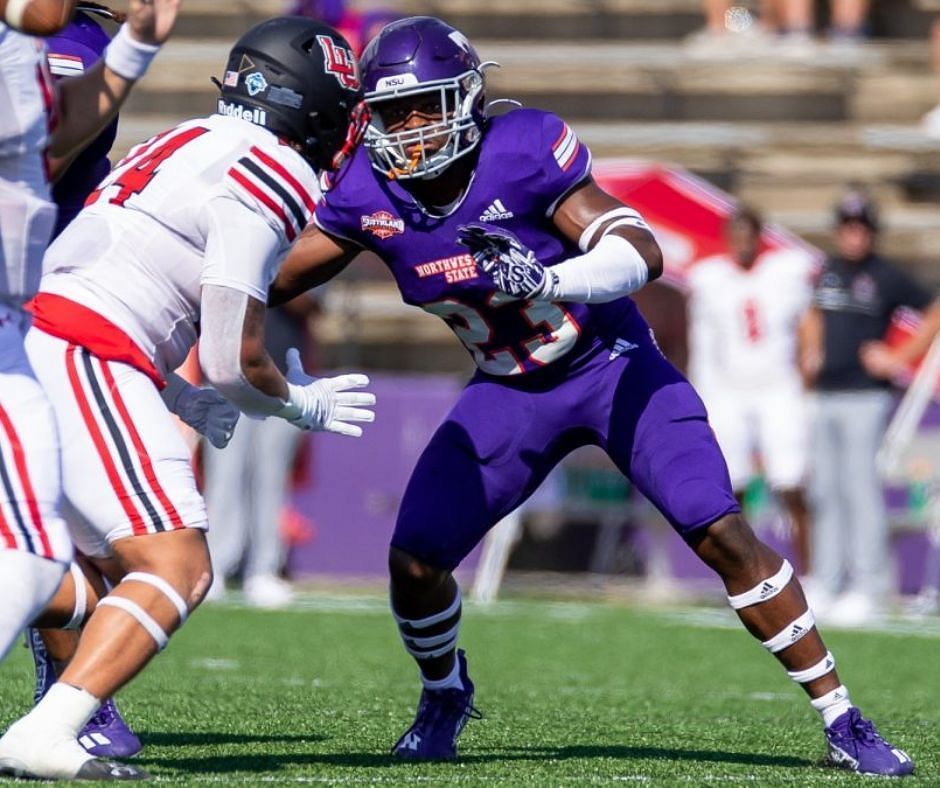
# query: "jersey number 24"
{"type": "Point", "coordinates": [135, 171]}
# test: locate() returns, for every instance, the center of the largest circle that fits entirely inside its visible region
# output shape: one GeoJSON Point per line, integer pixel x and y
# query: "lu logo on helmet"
{"type": "Point", "coordinates": [340, 62]}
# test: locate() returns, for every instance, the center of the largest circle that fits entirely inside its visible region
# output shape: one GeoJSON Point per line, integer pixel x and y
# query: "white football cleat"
{"type": "Point", "coordinates": [268, 592]}
{"type": "Point", "coordinates": [854, 609]}
{"type": "Point", "coordinates": [55, 754]}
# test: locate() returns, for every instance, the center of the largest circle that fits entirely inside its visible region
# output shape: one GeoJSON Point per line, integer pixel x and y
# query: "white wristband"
{"type": "Point", "coordinates": [127, 57]}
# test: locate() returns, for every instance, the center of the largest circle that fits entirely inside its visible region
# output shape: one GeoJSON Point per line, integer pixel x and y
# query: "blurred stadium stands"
{"type": "Point", "coordinates": [783, 132]}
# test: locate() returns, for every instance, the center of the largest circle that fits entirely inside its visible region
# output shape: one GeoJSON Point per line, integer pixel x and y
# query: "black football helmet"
{"type": "Point", "coordinates": [300, 79]}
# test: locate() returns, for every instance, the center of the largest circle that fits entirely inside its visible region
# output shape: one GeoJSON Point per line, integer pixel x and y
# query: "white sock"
{"type": "Point", "coordinates": [833, 704]}
{"type": "Point", "coordinates": [27, 582]}
{"type": "Point", "coordinates": [65, 705]}
{"type": "Point", "coordinates": [450, 681]}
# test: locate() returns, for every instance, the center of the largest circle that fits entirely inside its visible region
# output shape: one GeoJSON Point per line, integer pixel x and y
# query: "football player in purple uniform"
{"type": "Point", "coordinates": [495, 225]}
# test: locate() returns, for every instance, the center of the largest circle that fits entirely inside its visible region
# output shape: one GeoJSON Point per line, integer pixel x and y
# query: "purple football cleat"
{"type": "Point", "coordinates": [441, 717]}
{"type": "Point", "coordinates": [854, 744]}
{"type": "Point", "coordinates": [106, 735]}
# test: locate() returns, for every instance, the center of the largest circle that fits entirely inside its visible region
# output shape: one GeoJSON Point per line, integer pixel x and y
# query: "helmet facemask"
{"type": "Point", "coordinates": [460, 100]}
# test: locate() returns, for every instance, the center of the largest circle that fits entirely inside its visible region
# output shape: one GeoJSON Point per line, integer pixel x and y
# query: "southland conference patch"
{"type": "Point", "coordinates": [382, 224]}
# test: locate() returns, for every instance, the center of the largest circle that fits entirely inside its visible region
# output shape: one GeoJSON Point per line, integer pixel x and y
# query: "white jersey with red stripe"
{"type": "Point", "coordinates": [27, 214]}
{"type": "Point", "coordinates": [148, 238]}
{"type": "Point", "coordinates": [743, 361]}
{"type": "Point", "coordinates": [743, 326]}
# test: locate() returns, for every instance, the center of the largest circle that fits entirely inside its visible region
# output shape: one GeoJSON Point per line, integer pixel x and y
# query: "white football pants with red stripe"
{"type": "Point", "coordinates": [126, 469]}
{"type": "Point", "coordinates": [34, 544]}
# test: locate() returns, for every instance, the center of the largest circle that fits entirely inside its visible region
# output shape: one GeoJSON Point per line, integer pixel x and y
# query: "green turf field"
{"type": "Point", "coordinates": [572, 694]}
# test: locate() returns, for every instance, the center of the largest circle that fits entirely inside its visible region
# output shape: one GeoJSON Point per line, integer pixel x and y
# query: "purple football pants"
{"type": "Point", "coordinates": [504, 435]}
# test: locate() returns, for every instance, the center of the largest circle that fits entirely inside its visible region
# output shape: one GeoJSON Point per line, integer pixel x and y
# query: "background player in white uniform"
{"type": "Point", "coordinates": [38, 124]}
{"type": "Point", "coordinates": [182, 238]}
{"type": "Point", "coordinates": [745, 312]}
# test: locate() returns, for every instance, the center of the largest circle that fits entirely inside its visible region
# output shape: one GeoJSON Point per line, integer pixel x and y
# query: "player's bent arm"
{"type": "Point", "coordinates": [313, 260]}
{"type": "Point", "coordinates": [89, 103]}
{"type": "Point", "coordinates": [232, 354]}
{"type": "Point", "coordinates": [37, 17]}
{"type": "Point", "coordinates": [237, 364]}
{"type": "Point", "coordinates": [620, 253]}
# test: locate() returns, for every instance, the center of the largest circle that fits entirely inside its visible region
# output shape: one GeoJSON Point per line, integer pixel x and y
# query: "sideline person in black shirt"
{"type": "Point", "coordinates": [851, 369]}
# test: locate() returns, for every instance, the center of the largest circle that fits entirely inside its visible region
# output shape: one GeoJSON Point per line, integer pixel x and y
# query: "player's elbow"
{"type": "Point", "coordinates": [253, 359]}
{"type": "Point", "coordinates": [653, 256]}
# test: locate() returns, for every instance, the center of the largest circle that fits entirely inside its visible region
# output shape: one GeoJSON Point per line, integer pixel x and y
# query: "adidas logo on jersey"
{"type": "Point", "coordinates": [495, 212]}
{"type": "Point", "coordinates": [253, 115]}
{"type": "Point", "coordinates": [768, 589]}
{"type": "Point", "coordinates": [621, 346]}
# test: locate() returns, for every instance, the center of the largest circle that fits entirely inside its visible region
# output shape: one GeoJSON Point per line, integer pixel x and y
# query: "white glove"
{"type": "Point", "coordinates": [325, 403]}
{"type": "Point", "coordinates": [203, 409]}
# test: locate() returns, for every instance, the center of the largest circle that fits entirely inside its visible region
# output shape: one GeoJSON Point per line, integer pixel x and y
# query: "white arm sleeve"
{"type": "Point", "coordinates": [220, 347]}
{"type": "Point", "coordinates": [612, 269]}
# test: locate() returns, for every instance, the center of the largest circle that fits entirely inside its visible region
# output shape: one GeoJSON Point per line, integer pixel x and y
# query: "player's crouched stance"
{"type": "Point", "coordinates": [186, 232]}
{"type": "Point", "coordinates": [495, 224]}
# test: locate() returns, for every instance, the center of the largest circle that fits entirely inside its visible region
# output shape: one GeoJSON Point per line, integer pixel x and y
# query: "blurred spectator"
{"type": "Point", "coordinates": [792, 22]}
{"type": "Point", "coordinates": [848, 19]}
{"type": "Point", "coordinates": [856, 294]}
{"type": "Point", "coordinates": [730, 27]}
{"type": "Point", "coordinates": [932, 118]}
{"type": "Point", "coordinates": [745, 308]}
{"type": "Point", "coordinates": [358, 28]}
{"type": "Point", "coordinates": [246, 483]}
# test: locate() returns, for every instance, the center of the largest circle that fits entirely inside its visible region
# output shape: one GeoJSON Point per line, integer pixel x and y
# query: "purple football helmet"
{"type": "Point", "coordinates": [421, 61]}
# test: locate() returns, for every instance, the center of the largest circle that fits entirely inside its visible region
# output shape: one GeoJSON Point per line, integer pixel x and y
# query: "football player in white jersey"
{"type": "Point", "coordinates": [745, 312]}
{"type": "Point", "coordinates": [40, 129]}
{"type": "Point", "coordinates": [181, 240]}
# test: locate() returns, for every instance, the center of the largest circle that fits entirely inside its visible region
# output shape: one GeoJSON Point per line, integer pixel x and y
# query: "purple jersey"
{"type": "Point", "coordinates": [529, 160]}
{"type": "Point", "coordinates": [606, 383]}
{"type": "Point", "coordinates": [71, 51]}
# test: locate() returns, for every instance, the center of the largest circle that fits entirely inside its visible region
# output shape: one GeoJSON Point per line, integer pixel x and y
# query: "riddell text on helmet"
{"type": "Point", "coordinates": [253, 115]}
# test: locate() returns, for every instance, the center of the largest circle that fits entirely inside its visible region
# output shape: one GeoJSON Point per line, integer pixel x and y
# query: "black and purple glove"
{"type": "Point", "coordinates": [511, 265]}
